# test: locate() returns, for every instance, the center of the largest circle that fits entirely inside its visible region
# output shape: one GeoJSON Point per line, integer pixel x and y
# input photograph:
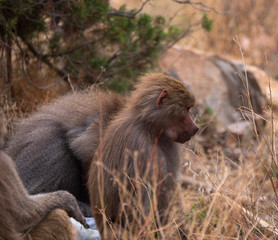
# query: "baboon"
{"type": "Point", "coordinates": [141, 140]}
{"type": "Point", "coordinates": [20, 212]}
{"type": "Point", "coordinates": [53, 148]}
{"type": "Point", "coordinates": [56, 226]}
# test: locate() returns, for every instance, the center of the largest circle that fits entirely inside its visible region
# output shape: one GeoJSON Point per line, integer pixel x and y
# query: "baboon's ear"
{"type": "Point", "coordinates": [162, 96]}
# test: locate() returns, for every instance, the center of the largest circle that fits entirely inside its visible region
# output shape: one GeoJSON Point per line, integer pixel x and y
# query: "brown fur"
{"type": "Point", "coordinates": [53, 148]}
{"type": "Point", "coordinates": [55, 226]}
{"type": "Point", "coordinates": [140, 145]}
{"type": "Point", "coordinates": [19, 212]}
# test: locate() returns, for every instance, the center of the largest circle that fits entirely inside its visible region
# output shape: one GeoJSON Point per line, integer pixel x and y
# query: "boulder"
{"type": "Point", "coordinates": [231, 91]}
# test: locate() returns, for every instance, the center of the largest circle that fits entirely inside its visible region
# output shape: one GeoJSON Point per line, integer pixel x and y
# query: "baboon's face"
{"type": "Point", "coordinates": [182, 128]}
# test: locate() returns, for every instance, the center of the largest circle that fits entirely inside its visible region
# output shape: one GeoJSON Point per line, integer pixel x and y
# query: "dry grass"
{"type": "Point", "coordinates": [10, 111]}
{"type": "Point", "coordinates": [226, 192]}
{"type": "Point", "coordinates": [237, 196]}
{"type": "Point", "coordinates": [220, 197]}
{"type": "Point", "coordinates": [253, 22]}
{"type": "Point", "coordinates": [234, 196]}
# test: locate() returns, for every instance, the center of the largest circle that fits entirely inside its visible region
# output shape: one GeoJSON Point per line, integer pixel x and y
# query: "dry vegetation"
{"type": "Point", "coordinates": [228, 191]}
{"type": "Point", "coordinates": [222, 197]}
{"type": "Point", "coordinates": [235, 198]}
{"type": "Point", "coordinates": [253, 22]}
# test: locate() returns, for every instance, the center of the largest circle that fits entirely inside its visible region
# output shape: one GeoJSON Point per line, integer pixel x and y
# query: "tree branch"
{"type": "Point", "coordinates": [186, 31]}
{"type": "Point", "coordinates": [127, 14]}
{"type": "Point", "coordinates": [203, 7]}
{"type": "Point", "coordinates": [38, 56]}
{"type": "Point", "coordinates": [44, 59]}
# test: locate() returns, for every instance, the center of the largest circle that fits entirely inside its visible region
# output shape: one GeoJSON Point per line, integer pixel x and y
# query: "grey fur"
{"type": "Point", "coordinates": [53, 148]}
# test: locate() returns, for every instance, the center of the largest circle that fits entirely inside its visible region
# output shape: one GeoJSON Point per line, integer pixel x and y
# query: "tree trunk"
{"type": "Point", "coordinates": [9, 69]}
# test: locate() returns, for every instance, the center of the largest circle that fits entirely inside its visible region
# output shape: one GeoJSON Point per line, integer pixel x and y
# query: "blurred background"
{"type": "Point", "coordinates": [46, 44]}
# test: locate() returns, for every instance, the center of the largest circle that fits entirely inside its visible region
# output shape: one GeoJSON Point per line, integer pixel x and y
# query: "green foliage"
{"type": "Point", "coordinates": [20, 18]}
{"type": "Point", "coordinates": [119, 84]}
{"type": "Point", "coordinates": [275, 171]}
{"type": "Point", "coordinates": [207, 23]}
{"type": "Point", "coordinates": [83, 37]}
{"type": "Point", "coordinates": [84, 13]}
{"type": "Point", "coordinates": [209, 110]}
{"type": "Point", "coordinates": [174, 32]}
{"type": "Point", "coordinates": [54, 43]}
{"type": "Point", "coordinates": [198, 211]}
{"type": "Point", "coordinates": [206, 117]}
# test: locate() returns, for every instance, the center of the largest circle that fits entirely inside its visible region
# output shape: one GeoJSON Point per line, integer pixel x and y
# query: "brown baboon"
{"type": "Point", "coordinates": [20, 213]}
{"type": "Point", "coordinates": [56, 225]}
{"type": "Point", "coordinates": [141, 140]}
{"type": "Point", "coordinates": [53, 148]}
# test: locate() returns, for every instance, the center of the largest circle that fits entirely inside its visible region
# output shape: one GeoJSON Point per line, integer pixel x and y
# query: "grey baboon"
{"type": "Point", "coordinates": [33, 217]}
{"type": "Point", "coordinates": [53, 148]}
{"type": "Point", "coordinates": [141, 140]}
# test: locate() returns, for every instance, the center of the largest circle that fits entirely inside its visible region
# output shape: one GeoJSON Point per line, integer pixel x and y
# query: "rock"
{"type": "Point", "coordinates": [224, 86]}
{"type": "Point", "coordinates": [239, 128]}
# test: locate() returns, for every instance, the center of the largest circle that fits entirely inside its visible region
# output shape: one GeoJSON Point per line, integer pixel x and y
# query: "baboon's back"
{"type": "Point", "coordinates": [50, 146]}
